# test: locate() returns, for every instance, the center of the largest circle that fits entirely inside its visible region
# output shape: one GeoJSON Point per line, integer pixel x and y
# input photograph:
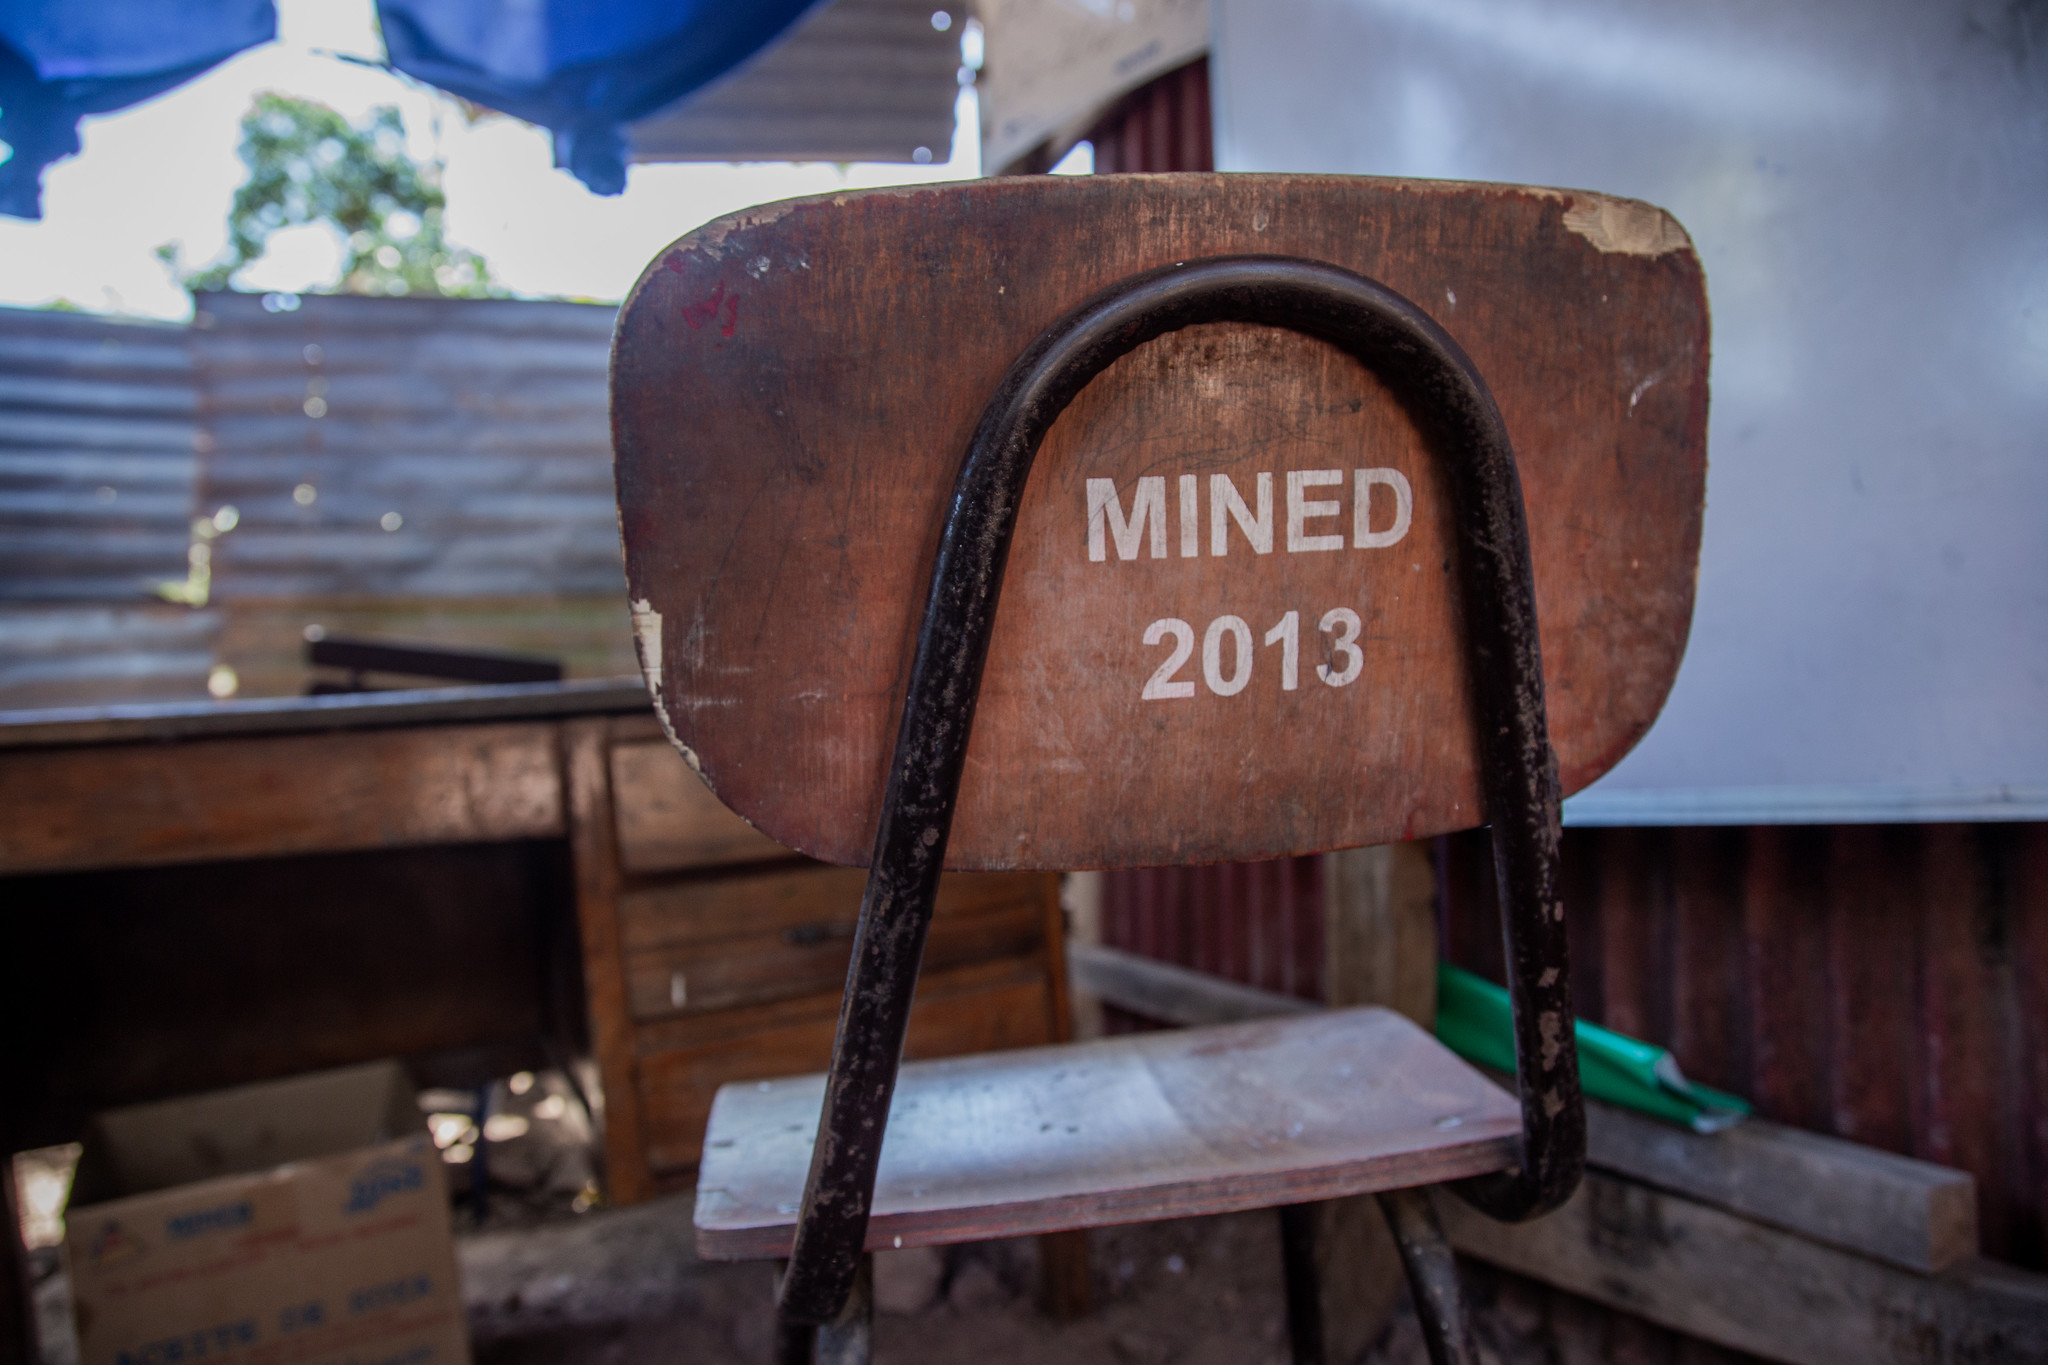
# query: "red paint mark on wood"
{"type": "Point", "coordinates": [706, 309]}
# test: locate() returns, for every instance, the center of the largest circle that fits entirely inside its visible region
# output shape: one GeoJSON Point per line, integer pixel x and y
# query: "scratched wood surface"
{"type": "Point", "coordinates": [668, 820]}
{"type": "Point", "coordinates": [261, 795]}
{"type": "Point", "coordinates": [980, 1008]}
{"type": "Point", "coordinates": [1120, 1130]}
{"type": "Point", "coordinates": [710, 945]}
{"type": "Point", "coordinates": [792, 391]}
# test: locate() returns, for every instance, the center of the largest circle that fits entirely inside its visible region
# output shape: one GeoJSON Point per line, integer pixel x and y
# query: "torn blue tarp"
{"type": "Point", "coordinates": [577, 68]}
{"type": "Point", "coordinates": [63, 59]}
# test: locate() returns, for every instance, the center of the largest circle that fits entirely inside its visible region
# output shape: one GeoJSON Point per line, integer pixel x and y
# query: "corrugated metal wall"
{"type": "Point", "coordinates": [1885, 983]}
{"type": "Point", "coordinates": [431, 469]}
{"type": "Point", "coordinates": [427, 469]}
{"type": "Point", "coordinates": [97, 435]}
{"type": "Point", "coordinates": [1162, 126]}
{"type": "Point", "coordinates": [1260, 923]}
{"type": "Point", "coordinates": [482, 425]}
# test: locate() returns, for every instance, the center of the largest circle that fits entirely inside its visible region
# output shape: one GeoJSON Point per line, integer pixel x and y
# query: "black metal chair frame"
{"type": "Point", "coordinates": [1444, 393]}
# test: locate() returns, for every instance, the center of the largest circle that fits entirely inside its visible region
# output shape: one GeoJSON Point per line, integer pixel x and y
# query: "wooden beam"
{"type": "Point", "coordinates": [1735, 1281]}
{"type": "Point", "coordinates": [595, 850]}
{"type": "Point", "coordinates": [1379, 929]}
{"type": "Point", "coordinates": [1910, 1213]}
{"type": "Point", "coordinates": [1379, 948]}
{"type": "Point", "coordinates": [1170, 994]}
{"type": "Point", "coordinates": [1081, 907]}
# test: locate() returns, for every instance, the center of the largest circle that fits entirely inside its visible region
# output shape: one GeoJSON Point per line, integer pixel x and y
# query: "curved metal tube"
{"type": "Point", "coordinates": [1445, 394]}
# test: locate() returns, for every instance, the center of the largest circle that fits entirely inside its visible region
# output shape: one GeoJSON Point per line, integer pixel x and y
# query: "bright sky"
{"type": "Point", "coordinates": [166, 170]}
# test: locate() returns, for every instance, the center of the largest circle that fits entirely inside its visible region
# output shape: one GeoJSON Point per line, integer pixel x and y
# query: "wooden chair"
{"type": "Point", "coordinates": [1271, 591]}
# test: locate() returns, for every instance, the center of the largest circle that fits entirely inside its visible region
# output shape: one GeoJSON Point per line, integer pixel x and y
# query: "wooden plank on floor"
{"type": "Point", "coordinates": [1171, 994]}
{"type": "Point", "coordinates": [1734, 1281]}
{"type": "Point", "coordinates": [1913, 1214]}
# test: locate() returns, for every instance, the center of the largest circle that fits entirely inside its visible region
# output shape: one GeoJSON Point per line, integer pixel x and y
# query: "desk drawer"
{"type": "Point", "coordinates": [719, 944]}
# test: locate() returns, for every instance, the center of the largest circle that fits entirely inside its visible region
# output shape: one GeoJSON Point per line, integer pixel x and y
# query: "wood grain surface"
{"type": "Point", "coordinates": [668, 819]}
{"type": "Point", "coordinates": [793, 388]}
{"type": "Point", "coordinates": [134, 804]}
{"type": "Point", "coordinates": [709, 945]}
{"type": "Point", "coordinates": [1713, 1274]}
{"type": "Point", "coordinates": [1119, 1130]}
{"type": "Point", "coordinates": [593, 843]}
{"type": "Point", "coordinates": [983, 1007]}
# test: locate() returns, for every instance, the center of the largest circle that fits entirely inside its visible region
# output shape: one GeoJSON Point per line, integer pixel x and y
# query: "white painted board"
{"type": "Point", "coordinates": [1867, 185]}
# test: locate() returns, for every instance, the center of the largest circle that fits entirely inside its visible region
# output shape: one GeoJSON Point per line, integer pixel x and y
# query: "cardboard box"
{"type": "Point", "coordinates": [302, 1221]}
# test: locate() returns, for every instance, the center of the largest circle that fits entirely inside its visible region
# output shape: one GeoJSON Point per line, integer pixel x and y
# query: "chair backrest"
{"type": "Point", "coordinates": [1230, 626]}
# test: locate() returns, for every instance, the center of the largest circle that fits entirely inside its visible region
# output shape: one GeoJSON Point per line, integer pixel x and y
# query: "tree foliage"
{"type": "Point", "coordinates": [308, 164]}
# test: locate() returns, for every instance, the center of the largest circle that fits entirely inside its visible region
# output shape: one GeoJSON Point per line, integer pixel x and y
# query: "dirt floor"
{"type": "Point", "coordinates": [623, 1288]}
{"type": "Point", "coordinates": [551, 1279]}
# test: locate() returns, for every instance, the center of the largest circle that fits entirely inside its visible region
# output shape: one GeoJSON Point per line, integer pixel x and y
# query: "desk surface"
{"type": "Point", "coordinates": [140, 785]}
{"type": "Point", "coordinates": [345, 711]}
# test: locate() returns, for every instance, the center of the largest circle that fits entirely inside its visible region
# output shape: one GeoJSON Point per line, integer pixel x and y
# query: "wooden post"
{"type": "Point", "coordinates": [593, 845]}
{"type": "Point", "coordinates": [1379, 948]}
{"type": "Point", "coordinates": [1379, 929]}
{"type": "Point", "coordinates": [1064, 1292]}
{"type": "Point", "coordinates": [1081, 898]}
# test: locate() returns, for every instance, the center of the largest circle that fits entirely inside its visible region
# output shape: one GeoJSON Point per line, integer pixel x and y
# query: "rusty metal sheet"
{"type": "Point", "coordinates": [1883, 983]}
{"type": "Point", "coordinates": [96, 457]}
{"type": "Point", "coordinates": [407, 447]}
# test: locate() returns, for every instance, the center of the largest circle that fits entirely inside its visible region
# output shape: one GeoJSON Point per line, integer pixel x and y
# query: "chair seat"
{"type": "Point", "coordinates": [1119, 1130]}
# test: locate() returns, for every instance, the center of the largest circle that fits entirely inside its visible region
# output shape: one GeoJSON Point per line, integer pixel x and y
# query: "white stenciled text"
{"type": "Point", "coordinates": [1134, 521]}
{"type": "Point", "coordinates": [1229, 661]}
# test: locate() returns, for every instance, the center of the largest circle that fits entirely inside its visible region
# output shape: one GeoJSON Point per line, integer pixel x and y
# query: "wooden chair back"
{"type": "Point", "coordinates": [1231, 626]}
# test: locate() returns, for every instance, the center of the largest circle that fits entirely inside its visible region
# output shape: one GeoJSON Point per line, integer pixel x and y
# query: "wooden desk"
{"type": "Point", "coordinates": [200, 895]}
{"type": "Point", "coordinates": [150, 785]}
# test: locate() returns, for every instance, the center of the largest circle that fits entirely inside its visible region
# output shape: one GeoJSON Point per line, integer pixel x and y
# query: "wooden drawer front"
{"type": "Point", "coordinates": [668, 819]}
{"type": "Point", "coordinates": [714, 945]}
{"type": "Point", "coordinates": [976, 1009]}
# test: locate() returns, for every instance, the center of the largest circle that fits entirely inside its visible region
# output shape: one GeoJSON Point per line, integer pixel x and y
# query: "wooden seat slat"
{"type": "Point", "coordinates": [1118, 1130]}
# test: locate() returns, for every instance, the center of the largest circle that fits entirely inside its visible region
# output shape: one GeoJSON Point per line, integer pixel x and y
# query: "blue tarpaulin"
{"type": "Point", "coordinates": [63, 59]}
{"type": "Point", "coordinates": [579, 68]}
{"type": "Point", "coordinates": [576, 68]}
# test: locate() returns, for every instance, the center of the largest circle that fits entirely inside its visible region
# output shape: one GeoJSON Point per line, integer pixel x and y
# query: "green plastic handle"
{"type": "Point", "coordinates": [1473, 1020]}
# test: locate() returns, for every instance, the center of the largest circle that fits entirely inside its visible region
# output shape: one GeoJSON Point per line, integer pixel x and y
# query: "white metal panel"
{"type": "Point", "coordinates": [1867, 184]}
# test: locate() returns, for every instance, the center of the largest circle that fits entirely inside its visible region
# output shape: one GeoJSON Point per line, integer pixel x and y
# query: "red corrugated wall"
{"type": "Point", "coordinates": [1885, 983]}
{"type": "Point", "coordinates": [1164, 126]}
{"type": "Point", "coordinates": [1260, 923]}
